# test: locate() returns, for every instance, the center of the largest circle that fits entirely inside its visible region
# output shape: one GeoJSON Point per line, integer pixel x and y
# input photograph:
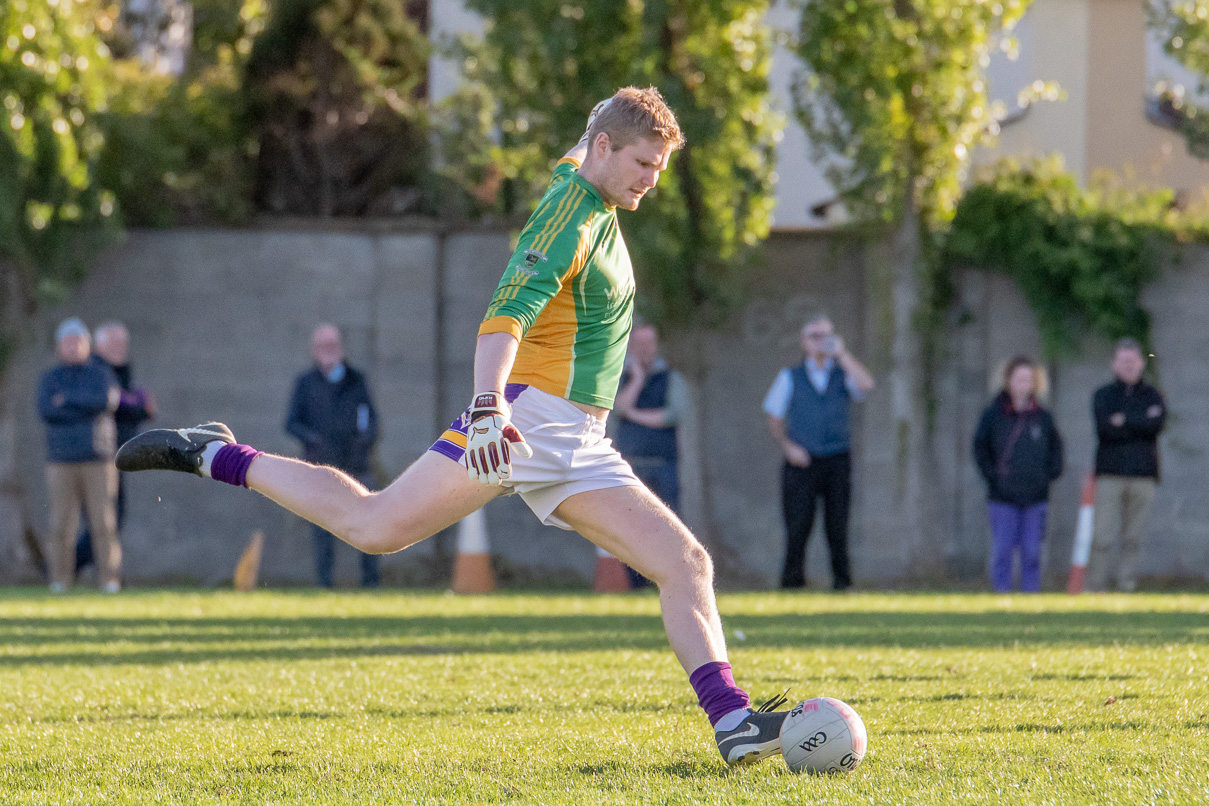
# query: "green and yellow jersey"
{"type": "Point", "coordinates": [568, 294]}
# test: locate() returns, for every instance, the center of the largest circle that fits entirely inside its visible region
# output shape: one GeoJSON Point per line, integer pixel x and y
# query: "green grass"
{"type": "Point", "coordinates": [298, 697]}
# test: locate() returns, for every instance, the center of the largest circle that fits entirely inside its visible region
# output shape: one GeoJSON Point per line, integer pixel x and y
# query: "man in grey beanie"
{"type": "Point", "coordinates": [76, 400]}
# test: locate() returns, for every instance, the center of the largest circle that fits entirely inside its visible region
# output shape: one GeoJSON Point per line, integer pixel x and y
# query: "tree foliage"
{"type": "Point", "coordinates": [178, 149]}
{"type": "Point", "coordinates": [544, 63]}
{"type": "Point", "coordinates": [53, 212]}
{"type": "Point", "coordinates": [1183, 28]}
{"type": "Point", "coordinates": [1080, 256]}
{"type": "Point", "coordinates": [894, 97]}
{"type": "Point", "coordinates": [332, 92]}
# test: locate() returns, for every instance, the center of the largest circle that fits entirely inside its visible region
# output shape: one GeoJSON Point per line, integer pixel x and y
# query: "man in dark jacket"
{"type": "Point", "coordinates": [1129, 415]}
{"type": "Point", "coordinates": [651, 401]}
{"type": "Point", "coordinates": [76, 400]}
{"type": "Point", "coordinates": [332, 415]}
{"type": "Point", "coordinates": [135, 406]}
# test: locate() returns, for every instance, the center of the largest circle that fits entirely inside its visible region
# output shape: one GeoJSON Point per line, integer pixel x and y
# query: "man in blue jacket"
{"type": "Point", "coordinates": [332, 415]}
{"type": "Point", "coordinates": [76, 400]}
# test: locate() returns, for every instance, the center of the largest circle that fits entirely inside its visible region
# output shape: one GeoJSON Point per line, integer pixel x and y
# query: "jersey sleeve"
{"type": "Point", "coordinates": [551, 250]}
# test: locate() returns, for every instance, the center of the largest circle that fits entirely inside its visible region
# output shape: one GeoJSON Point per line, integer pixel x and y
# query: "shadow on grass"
{"type": "Point", "coordinates": [31, 641]}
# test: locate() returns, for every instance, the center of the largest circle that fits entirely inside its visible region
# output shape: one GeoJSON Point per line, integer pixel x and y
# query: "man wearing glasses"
{"type": "Point", "coordinates": [808, 414]}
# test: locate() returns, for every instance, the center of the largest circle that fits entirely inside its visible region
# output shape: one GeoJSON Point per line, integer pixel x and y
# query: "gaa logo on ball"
{"type": "Point", "coordinates": [823, 735]}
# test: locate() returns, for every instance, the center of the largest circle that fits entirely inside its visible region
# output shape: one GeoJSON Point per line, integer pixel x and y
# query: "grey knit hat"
{"type": "Point", "coordinates": [71, 327]}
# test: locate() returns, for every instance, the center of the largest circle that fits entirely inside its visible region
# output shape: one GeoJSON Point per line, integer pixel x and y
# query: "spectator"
{"type": "Point", "coordinates": [808, 414]}
{"type": "Point", "coordinates": [332, 415]}
{"type": "Point", "coordinates": [135, 407]}
{"type": "Point", "coordinates": [1128, 414]}
{"type": "Point", "coordinates": [76, 399]}
{"type": "Point", "coordinates": [1019, 453]}
{"type": "Point", "coordinates": [651, 401]}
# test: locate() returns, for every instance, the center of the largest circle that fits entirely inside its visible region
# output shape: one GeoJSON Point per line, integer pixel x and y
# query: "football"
{"type": "Point", "coordinates": [823, 735]}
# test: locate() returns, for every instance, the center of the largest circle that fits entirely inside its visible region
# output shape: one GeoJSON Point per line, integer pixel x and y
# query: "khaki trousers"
{"type": "Point", "coordinates": [1121, 506]}
{"type": "Point", "coordinates": [93, 485]}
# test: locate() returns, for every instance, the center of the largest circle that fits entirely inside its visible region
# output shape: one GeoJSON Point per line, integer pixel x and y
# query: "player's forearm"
{"type": "Point", "coordinates": [578, 152]}
{"type": "Point", "coordinates": [493, 358]}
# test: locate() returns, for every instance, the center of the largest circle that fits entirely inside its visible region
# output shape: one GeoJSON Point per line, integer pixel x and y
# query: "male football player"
{"type": "Point", "coordinates": [547, 363]}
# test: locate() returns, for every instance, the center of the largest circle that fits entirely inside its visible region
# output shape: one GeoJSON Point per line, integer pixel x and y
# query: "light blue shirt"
{"type": "Point", "coordinates": [776, 402]}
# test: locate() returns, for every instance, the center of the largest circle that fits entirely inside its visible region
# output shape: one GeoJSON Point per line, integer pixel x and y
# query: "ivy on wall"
{"type": "Point", "coordinates": [1080, 256]}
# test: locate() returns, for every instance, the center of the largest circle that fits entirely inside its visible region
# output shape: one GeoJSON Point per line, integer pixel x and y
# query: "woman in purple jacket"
{"type": "Point", "coordinates": [1019, 452]}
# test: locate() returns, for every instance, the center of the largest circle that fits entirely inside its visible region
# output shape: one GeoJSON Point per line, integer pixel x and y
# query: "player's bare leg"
{"type": "Point", "coordinates": [432, 494]}
{"type": "Point", "coordinates": [637, 528]}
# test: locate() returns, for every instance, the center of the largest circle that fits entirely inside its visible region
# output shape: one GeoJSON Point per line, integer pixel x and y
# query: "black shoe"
{"type": "Point", "coordinates": [756, 738]}
{"type": "Point", "coordinates": [168, 449]}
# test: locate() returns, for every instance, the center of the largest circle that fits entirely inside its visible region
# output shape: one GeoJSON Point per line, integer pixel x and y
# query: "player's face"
{"type": "Point", "coordinates": [633, 170]}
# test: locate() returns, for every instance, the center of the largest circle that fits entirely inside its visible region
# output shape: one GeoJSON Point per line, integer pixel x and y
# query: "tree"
{"type": "Point", "coordinates": [894, 99]}
{"type": "Point", "coordinates": [332, 88]}
{"type": "Point", "coordinates": [53, 69]}
{"type": "Point", "coordinates": [1183, 28]}
{"type": "Point", "coordinates": [53, 213]}
{"type": "Point", "coordinates": [178, 147]}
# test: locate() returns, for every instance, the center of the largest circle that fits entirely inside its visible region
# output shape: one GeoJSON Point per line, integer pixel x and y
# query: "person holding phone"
{"type": "Point", "coordinates": [808, 414]}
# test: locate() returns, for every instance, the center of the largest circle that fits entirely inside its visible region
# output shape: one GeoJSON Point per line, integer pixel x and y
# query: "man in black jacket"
{"type": "Point", "coordinates": [1129, 414]}
{"type": "Point", "coordinates": [135, 406]}
{"type": "Point", "coordinates": [332, 415]}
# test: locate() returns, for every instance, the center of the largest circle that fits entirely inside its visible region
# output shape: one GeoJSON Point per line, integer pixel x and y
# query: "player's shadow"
{"type": "Point", "coordinates": [52, 640]}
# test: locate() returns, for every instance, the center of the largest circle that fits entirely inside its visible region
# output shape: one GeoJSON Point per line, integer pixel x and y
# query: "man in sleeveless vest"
{"type": "Point", "coordinates": [651, 401]}
{"type": "Point", "coordinates": [808, 414]}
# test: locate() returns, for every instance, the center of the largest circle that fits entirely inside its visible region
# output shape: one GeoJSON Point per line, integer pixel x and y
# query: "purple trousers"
{"type": "Point", "coordinates": [1016, 529]}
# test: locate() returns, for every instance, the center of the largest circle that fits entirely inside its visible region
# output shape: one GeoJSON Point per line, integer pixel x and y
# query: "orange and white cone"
{"type": "Point", "coordinates": [247, 570]}
{"type": "Point", "coordinates": [611, 576]}
{"type": "Point", "coordinates": [472, 567]}
{"type": "Point", "coordinates": [1082, 548]}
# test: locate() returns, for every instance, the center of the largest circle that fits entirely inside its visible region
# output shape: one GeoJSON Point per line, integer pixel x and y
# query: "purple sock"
{"type": "Point", "coordinates": [716, 690]}
{"type": "Point", "coordinates": [231, 464]}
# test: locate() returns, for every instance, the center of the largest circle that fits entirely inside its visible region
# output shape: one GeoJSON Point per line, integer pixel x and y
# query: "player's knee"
{"type": "Point", "coordinates": [701, 565]}
{"type": "Point", "coordinates": [382, 529]}
{"type": "Point", "coordinates": [692, 567]}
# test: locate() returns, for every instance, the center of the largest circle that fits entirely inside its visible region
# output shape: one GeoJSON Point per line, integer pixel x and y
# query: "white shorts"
{"type": "Point", "coordinates": [571, 453]}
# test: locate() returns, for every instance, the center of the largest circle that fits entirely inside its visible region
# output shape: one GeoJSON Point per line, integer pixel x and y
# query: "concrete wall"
{"type": "Point", "coordinates": [220, 322]}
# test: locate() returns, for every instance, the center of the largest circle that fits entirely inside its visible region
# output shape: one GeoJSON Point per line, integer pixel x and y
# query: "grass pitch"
{"type": "Point", "coordinates": [299, 697]}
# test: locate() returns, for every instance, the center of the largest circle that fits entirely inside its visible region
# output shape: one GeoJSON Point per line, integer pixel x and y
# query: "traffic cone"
{"type": "Point", "coordinates": [247, 571]}
{"type": "Point", "coordinates": [472, 568]}
{"type": "Point", "coordinates": [611, 576]}
{"type": "Point", "coordinates": [1082, 547]}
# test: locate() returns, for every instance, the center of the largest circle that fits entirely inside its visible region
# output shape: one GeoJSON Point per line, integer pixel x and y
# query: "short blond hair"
{"type": "Point", "coordinates": [635, 113]}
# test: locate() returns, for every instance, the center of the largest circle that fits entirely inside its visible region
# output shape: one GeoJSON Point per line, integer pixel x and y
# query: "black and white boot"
{"type": "Point", "coordinates": [171, 449]}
